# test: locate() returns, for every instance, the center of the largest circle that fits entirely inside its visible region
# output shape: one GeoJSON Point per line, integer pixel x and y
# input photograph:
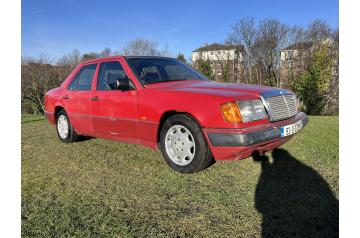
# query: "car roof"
{"type": "Point", "coordinates": [141, 56]}
{"type": "Point", "coordinates": [97, 60]}
{"type": "Point", "coordinates": [102, 59]}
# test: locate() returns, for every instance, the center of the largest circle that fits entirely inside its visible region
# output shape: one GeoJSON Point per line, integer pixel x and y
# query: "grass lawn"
{"type": "Point", "coordinates": [101, 188]}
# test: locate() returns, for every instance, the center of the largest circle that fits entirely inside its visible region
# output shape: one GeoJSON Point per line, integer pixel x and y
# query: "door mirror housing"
{"type": "Point", "coordinates": [124, 84]}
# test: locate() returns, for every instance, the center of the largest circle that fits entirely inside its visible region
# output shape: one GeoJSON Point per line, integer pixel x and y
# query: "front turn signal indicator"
{"type": "Point", "coordinates": [231, 112]}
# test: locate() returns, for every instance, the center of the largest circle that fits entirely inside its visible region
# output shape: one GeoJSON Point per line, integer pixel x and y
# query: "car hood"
{"type": "Point", "coordinates": [232, 90]}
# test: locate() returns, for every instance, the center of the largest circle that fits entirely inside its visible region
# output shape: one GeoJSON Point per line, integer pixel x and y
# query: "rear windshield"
{"type": "Point", "coordinates": [156, 70]}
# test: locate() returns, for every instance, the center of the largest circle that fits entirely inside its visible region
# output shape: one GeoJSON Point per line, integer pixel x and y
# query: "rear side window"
{"type": "Point", "coordinates": [112, 76]}
{"type": "Point", "coordinates": [83, 80]}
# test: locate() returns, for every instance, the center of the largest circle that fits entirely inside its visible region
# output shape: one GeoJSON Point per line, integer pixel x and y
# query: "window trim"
{"type": "Point", "coordinates": [112, 90]}
{"type": "Point", "coordinates": [76, 77]}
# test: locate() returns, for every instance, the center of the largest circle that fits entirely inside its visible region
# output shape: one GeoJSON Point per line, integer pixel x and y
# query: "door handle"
{"type": "Point", "coordinates": [96, 98]}
{"type": "Point", "coordinates": [65, 97]}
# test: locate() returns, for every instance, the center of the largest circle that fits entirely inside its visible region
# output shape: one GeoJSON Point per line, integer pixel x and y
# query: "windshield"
{"type": "Point", "coordinates": [156, 70]}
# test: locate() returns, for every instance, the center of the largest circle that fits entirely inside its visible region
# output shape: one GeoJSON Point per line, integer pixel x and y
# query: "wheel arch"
{"type": "Point", "coordinates": [57, 109]}
{"type": "Point", "coordinates": [168, 114]}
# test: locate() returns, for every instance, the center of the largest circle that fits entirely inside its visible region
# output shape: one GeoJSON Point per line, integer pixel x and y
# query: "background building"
{"type": "Point", "coordinates": [226, 61]}
{"type": "Point", "coordinates": [298, 58]}
{"type": "Point", "coordinates": [293, 60]}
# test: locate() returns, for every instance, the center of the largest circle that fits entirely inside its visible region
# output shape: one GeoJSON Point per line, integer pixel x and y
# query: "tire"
{"type": "Point", "coordinates": [66, 134]}
{"type": "Point", "coordinates": [183, 145]}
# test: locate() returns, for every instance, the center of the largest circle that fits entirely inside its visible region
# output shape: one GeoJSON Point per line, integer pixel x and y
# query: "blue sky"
{"type": "Point", "coordinates": [57, 27]}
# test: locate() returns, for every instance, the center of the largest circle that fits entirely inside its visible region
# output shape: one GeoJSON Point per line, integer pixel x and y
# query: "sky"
{"type": "Point", "coordinates": [57, 27]}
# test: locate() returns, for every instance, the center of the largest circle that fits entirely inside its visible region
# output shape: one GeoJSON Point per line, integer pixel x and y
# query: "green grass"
{"type": "Point", "coordinates": [101, 188]}
{"type": "Point", "coordinates": [25, 118]}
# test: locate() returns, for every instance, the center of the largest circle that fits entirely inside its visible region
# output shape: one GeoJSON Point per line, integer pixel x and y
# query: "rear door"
{"type": "Point", "coordinates": [77, 99]}
{"type": "Point", "coordinates": [114, 103]}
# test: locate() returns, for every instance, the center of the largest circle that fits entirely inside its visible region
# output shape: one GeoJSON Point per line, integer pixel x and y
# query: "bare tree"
{"type": "Point", "coordinates": [106, 52]}
{"type": "Point", "coordinates": [72, 59]}
{"type": "Point", "coordinates": [272, 36]}
{"type": "Point", "coordinates": [262, 42]}
{"type": "Point", "coordinates": [318, 31]}
{"type": "Point", "coordinates": [297, 34]}
{"type": "Point", "coordinates": [165, 51]}
{"type": "Point", "coordinates": [145, 47]}
{"type": "Point", "coordinates": [244, 33]}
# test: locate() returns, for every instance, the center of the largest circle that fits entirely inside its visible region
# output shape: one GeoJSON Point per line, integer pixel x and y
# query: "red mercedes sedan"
{"type": "Point", "coordinates": [165, 104]}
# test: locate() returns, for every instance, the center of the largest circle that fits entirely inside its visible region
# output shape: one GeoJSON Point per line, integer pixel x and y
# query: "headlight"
{"type": "Point", "coordinates": [252, 110]}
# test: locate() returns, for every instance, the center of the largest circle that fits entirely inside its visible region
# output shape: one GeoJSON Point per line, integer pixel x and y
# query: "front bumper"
{"type": "Point", "coordinates": [233, 144]}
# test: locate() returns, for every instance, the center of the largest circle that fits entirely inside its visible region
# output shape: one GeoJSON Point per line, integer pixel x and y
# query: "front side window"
{"type": "Point", "coordinates": [156, 70]}
{"type": "Point", "coordinates": [112, 76]}
{"type": "Point", "coordinates": [83, 79]}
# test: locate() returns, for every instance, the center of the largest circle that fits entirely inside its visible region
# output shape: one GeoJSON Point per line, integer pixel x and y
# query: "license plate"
{"type": "Point", "coordinates": [291, 129]}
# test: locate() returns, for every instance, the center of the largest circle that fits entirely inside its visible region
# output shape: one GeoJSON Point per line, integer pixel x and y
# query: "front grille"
{"type": "Point", "coordinates": [282, 107]}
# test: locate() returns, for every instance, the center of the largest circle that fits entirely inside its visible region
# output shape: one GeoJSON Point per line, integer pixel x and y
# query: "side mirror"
{"type": "Point", "coordinates": [124, 84]}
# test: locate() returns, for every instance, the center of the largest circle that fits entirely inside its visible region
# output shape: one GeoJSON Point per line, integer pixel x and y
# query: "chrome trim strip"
{"type": "Point", "coordinates": [267, 108]}
{"type": "Point", "coordinates": [287, 105]}
{"type": "Point", "coordinates": [275, 92]}
{"type": "Point", "coordinates": [113, 118]}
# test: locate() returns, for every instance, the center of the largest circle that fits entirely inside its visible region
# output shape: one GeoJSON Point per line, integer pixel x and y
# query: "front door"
{"type": "Point", "coordinates": [77, 99]}
{"type": "Point", "coordinates": [114, 103]}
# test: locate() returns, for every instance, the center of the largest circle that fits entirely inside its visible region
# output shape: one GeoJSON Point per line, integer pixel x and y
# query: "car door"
{"type": "Point", "coordinates": [77, 99]}
{"type": "Point", "coordinates": [114, 103]}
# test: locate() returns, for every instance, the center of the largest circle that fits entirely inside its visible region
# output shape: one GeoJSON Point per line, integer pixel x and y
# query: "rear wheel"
{"type": "Point", "coordinates": [64, 129]}
{"type": "Point", "coordinates": [183, 145]}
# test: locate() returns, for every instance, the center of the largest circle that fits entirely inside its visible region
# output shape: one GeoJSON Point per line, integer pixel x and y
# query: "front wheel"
{"type": "Point", "coordinates": [183, 145]}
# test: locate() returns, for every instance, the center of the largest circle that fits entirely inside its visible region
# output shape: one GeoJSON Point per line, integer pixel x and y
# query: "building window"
{"type": "Point", "coordinates": [288, 54]}
{"type": "Point", "coordinates": [289, 65]}
{"type": "Point", "coordinates": [211, 52]}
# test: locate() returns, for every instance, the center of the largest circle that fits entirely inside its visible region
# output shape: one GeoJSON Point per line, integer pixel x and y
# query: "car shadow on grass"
{"type": "Point", "coordinates": [84, 138]}
{"type": "Point", "coordinates": [294, 200]}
